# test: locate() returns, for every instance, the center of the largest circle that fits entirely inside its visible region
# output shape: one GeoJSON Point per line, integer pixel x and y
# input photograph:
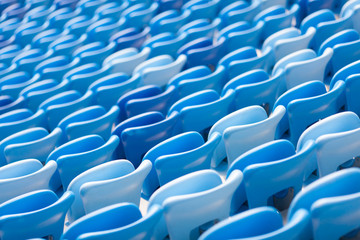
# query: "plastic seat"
{"type": "Point", "coordinates": [109, 89]}
{"type": "Point", "coordinates": [298, 67]}
{"type": "Point", "coordinates": [61, 105]}
{"type": "Point", "coordinates": [8, 27]}
{"type": "Point", "coordinates": [276, 18]}
{"type": "Point", "coordinates": [78, 25]}
{"type": "Point", "coordinates": [270, 170]}
{"type": "Point", "coordinates": [146, 99]}
{"type": "Point", "coordinates": [140, 15]}
{"type": "Point", "coordinates": [349, 70]}
{"type": "Point", "coordinates": [256, 87]}
{"type": "Point", "coordinates": [260, 223]}
{"type": "Point", "coordinates": [332, 132]}
{"type": "Point", "coordinates": [12, 84]}
{"type": "Point", "coordinates": [158, 70]}
{"type": "Point", "coordinates": [306, 104]}
{"type": "Point", "coordinates": [94, 52]}
{"type": "Point", "coordinates": [178, 156]}
{"type": "Point", "coordinates": [142, 132]}
{"type": "Point", "coordinates": [39, 13]}
{"type": "Point", "coordinates": [200, 110]}
{"type": "Point", "coordinates": [89, 7]}
{"type": "Point", "coordinates": [79, 155]}
{"type": "Point", "coordinates": [169, 21]}
{"type": "Point", "coordinates": [20, 119]}
{"type": "Point", "coordinates": [67, 44]}
{"type": "Point", "coordinates": [245, 133]}
{"type": "Point", "coordinates": [165, 43]}
{"type": "Point", "coordinates": [26, 32]}
{"type": "Point", "coordinates": [31, 143]}
{"type": "Point", "coordinates": [240, 11]}
{"type": "Point", "coordinates": [28, 60]}
{"type": "Point", "coordinates": [111, 9]}
{"type": "Point", "coordinates": [245, 59]}
{"type": "Point", "coordinates": [193, 200]}
{"type": "Point", "coordinates": [332, 195]}
{"type": "Point", "coordinates": [326, 25]}
{"type": "Point", "coordinates": [287, 41]}
{"type": "Point", "coordinates": [200, 28]}
{"type": "Point", "coordinates": [203, 51]}
{"type": "Point", "coordinates": [202, 9]}
{"type": "Point", "coordinates": [350, 8]}
{"type": "Point", "coordinates": [9, 53]}
{"type": "Point", "coordinates": [24, 176]}
{"type": "Point", "coordinates": [44, 38]}
{"type": "Point", "coordinates": [118, 221]}
{"type": "Point", "coordinates": [126, 60]}
{"type": "Point", "coordinates": [103, 29]}
{"type": "Point", "coordinates": [90, 120]}
{"type": "Point", "coordinates": [117, 174]}
{"type": "Point", "coordinates": [241, 34]}
{"type": "Point", "coordinates": [9, 104]}
{"type": "Point", "coordinates": [56, 67]}
{"type": "Point", "coordinates": [35, 214]}
{"type": "Point", "coordinates": [344, 43]}
{"type": "Point", "coordinates": [130, 37]}
{"type": "Point", "coordinates": [351, 92]}
{"type": "Point", "coordinates": [82, 77]}
{"type": "Point", "coordinates": [197, 79]}
{"type": "Point", "coordinates": [58, 18]}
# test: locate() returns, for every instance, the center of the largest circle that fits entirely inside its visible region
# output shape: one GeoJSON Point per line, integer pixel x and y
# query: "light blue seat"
{"type": "Point", "coordinates": [126, 60]}
{"type": "Point", "coordinates": [256, 87]}
{"type": "Point", "coordinates": [79, 155]}
{"type": "Point", "coordinates": [35, 214]}
{"type": "Point", "coordinates": [165, 43]}
{"type": "Point", "coordinates": [245, 59]}
{"type": "Point", "coordinates": [200, 28]}
{"type": "Point", "coordinates": [130, 37]}
{"type": "Point", "coordinates": [193, 200]}
{"type": "Point", "coordinates": [248, 131]}
{"type": "Point", "coordinates": [20, 119]}
{"type": "Point", "coordinates": [102, 29]}
{"type": "Point", "coordinates": [94, 52]}
{"type": "Point", "coordinates": [24, 176]}
{"type": "Point", "coordinates": [58, 18]}
{"type": "Point", "coordinates": [351, 8]}
{"type": "Point", "coordinates": [349, 70]}
{"type": "Point", "coordinates": [140, 133]}
{"type": "Point", "coordinates": [39, 13]}
{"type": "Point", "coordinates": [78, 25]}
{"type": "Point", "coordinates": [200, 110]}
{"type": "Point", "coordinates": [298, 67]}
{"type": "Point", "coordinates": [9, 53]}
{"type": "Point", "coordinates": [111, 9]}
{"type": "Point", "coordinates": [338, 130]}
{"type": "Point", "coordinates": [66, 45]}
{"type": "Point", "coordinates": [146, 99]}
{"type": "Point", "coordinates": [352, 88]}
{"type": "Point", "coordinates": [9, 104]}
{"type": "Point", "coordinates": [15, 10]}
{"type": "Point", "coordinates": [241, 34]}
{"type": "Point", "coordinates": [260, 223]}
{"type": "Point", "coordinates": [240, 11]}
{"type": "Point", "coordinates": [169, 21]}
{"type": "Point", "coordinates": [90, 120]}
{"type": "Point", "coordinates": [107, 90]}
{"type": "Point", "coordinates": [287, 41]}
{"type": "Point", "coordinates": [118, 221]}
{"type": "Point", "coordinates": [306, 104]}
{"type": "Point", "coordinates": [326, 25]}
{"type": "Point", "coordinates": [12, 84]}
{"type": "Point", "coordinates": [270, 170]}
{"type": "Point", "coordinates": [158, 70]}
{"type": "Point", "coordinates": [38, 92]}
{"type": "Point", "coordinates": [276, 18]}
{"type": "Point", "coordinates": [9, 26]}
{"type": "Point", "coordinates": [34, 142]}
{"type": "Point", "coordinates": [178, 156]}
{"type": "Point", "coordinates": [29, 59]}
{"type": "Point", "coordinates": [344, 43]}
{"type": "Point", "coordinates": [328, 199]}
{"type": "Point", "coordinates": [56, 67]}
{"type": "Point", "coordinates": [61, 105]}
{"type": "Point", "coordinates": [202, 9]}
{"type": "Point", "coordinates": [94, 188]}
{"type": "Point", "coordinates": [88, 7]}
{"type": "Point", "coordinates": [140, 15]}
{"type": "Point", "coordinates": [43, 39]}
{"type": "Point", "coordinates": [26, 32]}
{"type": "Point", "coordinates": [203, 51]}
{"type": "Point", "coordinates": [197, 79]}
